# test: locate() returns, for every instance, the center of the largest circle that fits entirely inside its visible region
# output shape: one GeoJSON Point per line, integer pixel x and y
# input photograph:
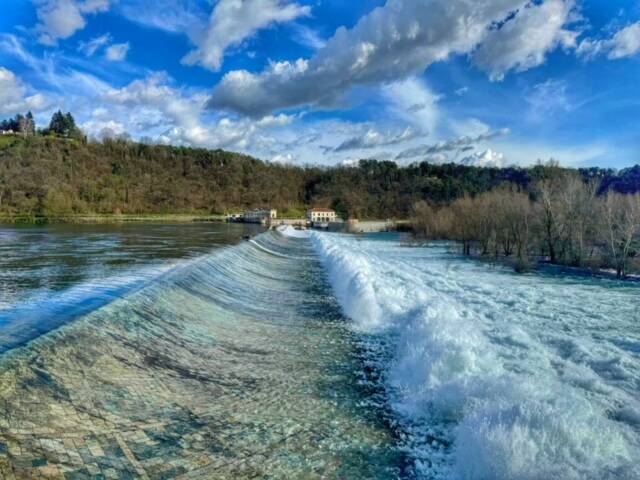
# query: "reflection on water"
{"type": "Point", "coordinates": [234, 364]}
{"type": "Point", "coordinates": [38, 260]}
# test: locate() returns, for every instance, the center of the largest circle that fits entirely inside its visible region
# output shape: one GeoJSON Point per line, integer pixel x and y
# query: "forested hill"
{"type": "Point", "coordinates": [48, 176]}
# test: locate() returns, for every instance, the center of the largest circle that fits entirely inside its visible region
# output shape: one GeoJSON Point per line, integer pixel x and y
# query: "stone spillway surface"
{"type": "Point", "coordinates": [234, 364]}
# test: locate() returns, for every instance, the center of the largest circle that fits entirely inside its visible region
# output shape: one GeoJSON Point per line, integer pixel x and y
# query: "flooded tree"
{"type": "Point", "coordinates": [621, 228]}
{"type": "Point", "coordinates": [562, 220]}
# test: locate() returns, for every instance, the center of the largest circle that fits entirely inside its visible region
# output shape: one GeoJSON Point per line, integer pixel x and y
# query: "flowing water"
{"type": "Point", "coordinates": [181, 352]}
{"type": "Point", "coordinates": [493, 375]}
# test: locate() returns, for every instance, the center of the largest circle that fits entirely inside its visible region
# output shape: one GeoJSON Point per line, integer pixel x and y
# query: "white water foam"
{"type": "Point", "coordinates": [289, 231]}
{"type": "Point", "coordinates": [495, 376]}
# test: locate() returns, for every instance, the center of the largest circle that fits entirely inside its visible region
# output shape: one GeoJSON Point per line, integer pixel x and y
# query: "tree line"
{"type": "Point", "coordinates": [21, 124]}
{"type": "Point", "coordinates": [564, 217]}
{"type": "Point", "coordinates": [62, 125]}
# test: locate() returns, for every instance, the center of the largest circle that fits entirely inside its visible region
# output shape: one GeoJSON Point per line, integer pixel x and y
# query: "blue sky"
{"type": "Point", "coordinates": [485, 82]}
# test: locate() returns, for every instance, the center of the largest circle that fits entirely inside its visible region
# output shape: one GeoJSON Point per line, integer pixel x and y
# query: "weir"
{"type": "Point", "coordinates": [238, 364]}
{"type": "Point", "coordinates": [303, 354]}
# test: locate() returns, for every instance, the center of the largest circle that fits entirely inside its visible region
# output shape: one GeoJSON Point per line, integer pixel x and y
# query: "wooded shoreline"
{"type": "Point", "coordinates": [109, 218]}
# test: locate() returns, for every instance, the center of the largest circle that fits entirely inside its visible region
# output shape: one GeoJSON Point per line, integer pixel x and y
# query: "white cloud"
{"type": "Point", "coordinates": [93, 6]}
{"type": "Point", "coordinates": [117, 52]}
{"type": "Point", "coordinates": [102, 129]}
{"type": "Point", "coordinates": [547, 98]}
{"type": "Point", "coordinates": [60, 19]}
{"type": "Point", "coordinates": [153, 102]}
{"type": "Point", "coordinates": [412, 101]}
{"type": "Point", "coordinates": [523, 42]}
{"type": "Point", "coordinates": [275, 121]}
{"type": "Point", "coordinates": [283, 158]}
{"type": "Point", "coordinates": [173, 16]}
{"type": "Point", "coordinates": [92, 46]}
{"type": "Point", "coordinates": [373, 138]}
{"type": "Point", "coordinates": [625, 43]}
{"type": "Point", "coordinates": [308, 37]}
{"type": "Point", "coordinates": [233, 21]}
{"type": "Point", "coordinates": [14, 97]}
{"type": "Point", "coordinates": [399, 40]}
{"type": "Point", "coordinates": [49, 72]}
{"type": "Point", "coordinates": [488, 158]}
{"type": "Point", "coordinates": [153, 107]}
{"type": "Point", "coordinates": [350, 162]}
{"type": "Point", "coordinates": [100, 112]}
{"type": "Point", "coordinates": [456, 145]}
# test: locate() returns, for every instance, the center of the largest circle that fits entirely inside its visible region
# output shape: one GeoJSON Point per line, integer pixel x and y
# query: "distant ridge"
{"type": "Point", "coordinates": [43, 176]}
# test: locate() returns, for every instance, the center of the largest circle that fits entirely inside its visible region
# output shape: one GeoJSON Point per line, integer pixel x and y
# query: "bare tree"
{"type": "Point", "coordinates": [621, 222]}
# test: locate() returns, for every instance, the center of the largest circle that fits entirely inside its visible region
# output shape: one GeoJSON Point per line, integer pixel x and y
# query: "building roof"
{"type": "Point", "coordinates": [324, 210]}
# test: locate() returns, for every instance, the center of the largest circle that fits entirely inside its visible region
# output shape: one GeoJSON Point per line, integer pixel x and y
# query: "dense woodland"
{"type": "Point", "coordinates": [47, 176]}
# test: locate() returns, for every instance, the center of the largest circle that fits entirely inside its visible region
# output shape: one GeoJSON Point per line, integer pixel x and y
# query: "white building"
{"type": "Point", "coordinates": [260, 215]}
{"type": "Point", "coordinates": [234, 217]}
{"type": "Point", "coordinates": [321, 215]}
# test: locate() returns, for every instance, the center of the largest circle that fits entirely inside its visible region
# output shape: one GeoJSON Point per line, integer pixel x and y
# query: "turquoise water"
{"type": "Point", "coordinates": [235, 363]}
{"type": "Point", "coordinates": [195, 354]}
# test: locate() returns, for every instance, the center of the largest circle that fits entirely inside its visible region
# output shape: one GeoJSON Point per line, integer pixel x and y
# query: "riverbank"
{"type": "Point", "coordinates": [537, 263]}
{"type": "Point", "coordinates": [111, 218]}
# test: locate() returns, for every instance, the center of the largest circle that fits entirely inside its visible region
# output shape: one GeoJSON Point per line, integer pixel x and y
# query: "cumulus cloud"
{"type": "Point", "coordinates": [459, 144]}
{"type": "Point", "coordinates": [489, 158]}
{"type": "Point", "coordinates": [625, 43]}
{"type": "Point", "coordinates": [154, 107]}
{"type": "Point", "coordinates": [398, 40]}
{"type": "Point", "coordinates": [233, 21]}
{"type": "Point", "coordinates": [102, 129]}
{"type": "Point", "coordinates": [60, 19]}
{"type": "Point", "coordinates": [14, 97]}
{"type": "Point", "coordinates": [523, 42]}
{"type": "Point", "coordinates": [117, 52]}
{"type": "Point", "coordinates": [155, 103]}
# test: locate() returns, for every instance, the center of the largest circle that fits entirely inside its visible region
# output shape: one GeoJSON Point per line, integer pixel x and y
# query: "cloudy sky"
{"type": "Point", "coordinates": [331, 81]}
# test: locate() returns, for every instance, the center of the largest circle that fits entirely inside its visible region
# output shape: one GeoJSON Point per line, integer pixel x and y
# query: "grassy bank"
{"type": "Point", "coordinates": [110, 218]}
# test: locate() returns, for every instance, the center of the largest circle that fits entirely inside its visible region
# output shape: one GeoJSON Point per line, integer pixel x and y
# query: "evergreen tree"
{"type": "Point", "coordinates": [57, 125]}
{"type": "Point", "coordinates": [64, 125]}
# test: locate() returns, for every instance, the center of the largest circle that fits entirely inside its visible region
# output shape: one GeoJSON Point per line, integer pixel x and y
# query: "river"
{"type": "Point", "coordinates": [181, 351]}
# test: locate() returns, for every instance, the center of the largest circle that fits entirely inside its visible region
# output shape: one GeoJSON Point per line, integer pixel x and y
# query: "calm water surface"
{"type": "Point", "coordinates": [36, 261]}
